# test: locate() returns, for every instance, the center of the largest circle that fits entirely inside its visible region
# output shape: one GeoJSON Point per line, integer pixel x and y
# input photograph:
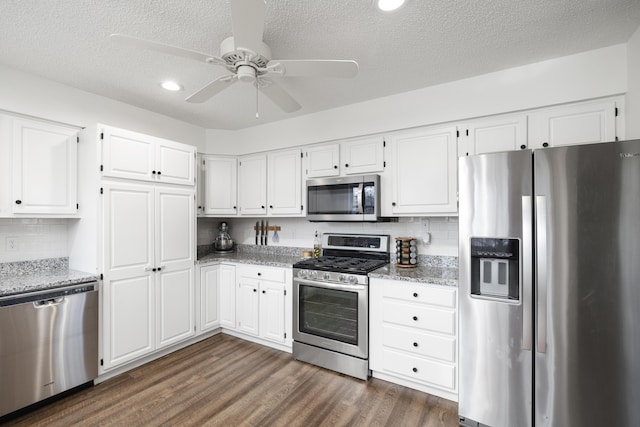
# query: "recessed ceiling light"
{"type": "Point", "coordinates": [389, 5]}
{"type": "Point", "coordinates": [172, 86]}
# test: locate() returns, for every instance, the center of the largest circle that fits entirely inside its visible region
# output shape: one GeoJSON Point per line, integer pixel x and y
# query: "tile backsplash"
{"type": "Point", "coordinates": [298, 232]}
{"type": "Point", "coordinates": [26, 239]}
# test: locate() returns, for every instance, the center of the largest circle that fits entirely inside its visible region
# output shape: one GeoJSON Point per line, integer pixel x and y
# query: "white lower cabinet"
{"type": "Point", "coordinates": [217, 297]}
{"type": "Point", "coordinates": [263, 302]}
{"type": "Point", "coordinates": [413, 335]}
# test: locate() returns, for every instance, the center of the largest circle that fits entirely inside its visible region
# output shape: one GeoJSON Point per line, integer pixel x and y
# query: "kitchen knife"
{"type": "Point", "coordinates": [266, 234]}
{"type": "Point", "coordinates": [261, 232]}
{"type": "Point", "coordinates": [257, 231]}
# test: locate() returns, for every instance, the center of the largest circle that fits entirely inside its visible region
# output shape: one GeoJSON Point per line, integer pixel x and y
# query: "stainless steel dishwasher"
{"type": "Point", "coordinates": [48, 344]}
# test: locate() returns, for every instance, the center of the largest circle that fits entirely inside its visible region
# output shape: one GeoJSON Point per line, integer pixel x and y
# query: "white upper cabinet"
{"type": "Point", "coordinates": [131, 155]}
{"type": "Point", "coordinates": [580, 123]}
{"type": "Point", "coordinates": [503, 133]}
{"type": "Point", "coordinates": [252, 185]}
{"type": "Point", "coordinates": [220, 185]}
{"type": "Point", "coordinates": [362, 155]}
{"type": "Point", "coordinates": [284, 182]}
{"type": "Point", "coordinates": [44, 168]}
{"type": "Point", "coordinates": [424, 176]}
{"type": "Point", "coordinates": [323, 160]}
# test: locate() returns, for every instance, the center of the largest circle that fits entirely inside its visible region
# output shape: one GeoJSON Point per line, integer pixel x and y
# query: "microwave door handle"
{"type": "Point", "coordinates": [361, 198]}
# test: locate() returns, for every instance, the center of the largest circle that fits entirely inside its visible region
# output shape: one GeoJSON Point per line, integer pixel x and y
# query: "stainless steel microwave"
{"type": "Point", "coordinates": [350, 198]}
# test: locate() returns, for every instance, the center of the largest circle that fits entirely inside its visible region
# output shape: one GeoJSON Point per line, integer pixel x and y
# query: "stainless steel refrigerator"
{"type": "Point", "coordinates": [549, 295]}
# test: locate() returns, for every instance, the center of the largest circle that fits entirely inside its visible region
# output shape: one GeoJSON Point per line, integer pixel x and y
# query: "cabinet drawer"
{"type": "Point", "coordinates": [416, 292]}
{"type": "Point", "coordinates": [417, 316]}
{"type": "Point", "coordinates": [419, 369]}
{"type": "Point", "coordinates": [420, 343]}
{"type": "Point", "coordinates": [262, 273]}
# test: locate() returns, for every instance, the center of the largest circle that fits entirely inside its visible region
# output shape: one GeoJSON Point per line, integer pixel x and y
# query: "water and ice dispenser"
{"type": "Point", "coordinates": [495, 268]}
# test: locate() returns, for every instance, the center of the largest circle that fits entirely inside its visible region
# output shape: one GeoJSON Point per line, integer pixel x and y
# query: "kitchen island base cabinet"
{"type": "Point", "coordinates": [413, 335]}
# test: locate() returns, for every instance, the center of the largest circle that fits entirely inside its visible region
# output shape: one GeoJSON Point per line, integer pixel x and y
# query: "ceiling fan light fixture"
{"type": "Point", "coordinates": [171, 86]}
{"type": "Point", "coordinates": [246, 73]}
{"type": "Point", "coordinates": [389, 5]}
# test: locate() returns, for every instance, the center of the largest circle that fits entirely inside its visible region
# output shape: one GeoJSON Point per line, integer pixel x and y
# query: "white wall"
{"type": "Point", "coordinates": [633, 93]}
{"type": "Point", "coordinates": [591, 74]}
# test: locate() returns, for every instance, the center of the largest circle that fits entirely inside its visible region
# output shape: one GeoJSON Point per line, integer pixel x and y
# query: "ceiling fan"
{"type": "Point", "coordinates": [248, 58]}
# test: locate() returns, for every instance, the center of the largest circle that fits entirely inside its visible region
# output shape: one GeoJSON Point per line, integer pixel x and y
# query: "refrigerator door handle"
{"type": "Point", "coordinates": [527, 272]}
{"type": "Point", "coordinates": [541, 272]}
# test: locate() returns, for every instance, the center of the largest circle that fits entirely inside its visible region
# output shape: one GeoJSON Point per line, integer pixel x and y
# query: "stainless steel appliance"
{"type": "Point", "coordinates": [550, 287]}
{"type": "Point", "coordinates": [48, 344]}
{"type": "Point", "coordinates": [223, 241]}
{"type": "Point", "coordinates": [331, 302]}
{"type": "Point", "coordinates": [351, 198]}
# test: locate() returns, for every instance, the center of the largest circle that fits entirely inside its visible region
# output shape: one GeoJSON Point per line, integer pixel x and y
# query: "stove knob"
{"type": "Point", "coordinates": [326, 275]}
{"type": "Point", "coordinates": [313, 274]}
{"type": "Point", "coordinates": [302, 274]}
{"type": "Point", "coordinates": [342, 278]}
{"type": "Point", "coordinates": [353, 280]}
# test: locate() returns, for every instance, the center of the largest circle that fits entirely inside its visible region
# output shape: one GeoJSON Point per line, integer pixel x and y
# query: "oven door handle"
{"type": "Point", "coordinates": [339, 287]}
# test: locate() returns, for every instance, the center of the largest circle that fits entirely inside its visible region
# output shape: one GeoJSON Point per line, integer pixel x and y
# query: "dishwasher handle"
{"type": "Point", "coordinates": [48, 302]}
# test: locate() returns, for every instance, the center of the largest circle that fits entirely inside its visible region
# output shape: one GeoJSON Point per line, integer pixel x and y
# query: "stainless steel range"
{"type": "Point", "coordinates": [331, 302]}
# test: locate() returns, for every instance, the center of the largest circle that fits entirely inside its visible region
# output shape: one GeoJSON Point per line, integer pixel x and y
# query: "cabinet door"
{"type": "Point", "coordinates": [363, 155]}
{"type": "Point", "coordinates": [272, 313]}
{"type": "Point", "coordinates": [210, 304]}
{"type": "Point", "coordinates": [175, 162]}
{"type": "Point", "coordinates": [493, 135]}
{"type": "Point", "coordinates": [424, 172]}
{"type": "Point", "coordinates": [129, 282]}
{"type": "Point", "coordinates": [220, 185]}
{"type": "Point", "coordinates": [285, 183]}
{"type": "Point", "coordinates": [44, 168]}
{"type": "Point", "coordinates": [127, 154]}
{"type": "Point", "coordinates": [247, 302]}
{"type": "Point", "coordinates": [323, 160]}
{"type": "Point", "coordinates": [175, 306]}
{"type": "Point", "coordinates": [252, 183]}
{"type": "Point", "coordinates": [228, 296]}
{"type": "Point", "coordinates": [584, 123]}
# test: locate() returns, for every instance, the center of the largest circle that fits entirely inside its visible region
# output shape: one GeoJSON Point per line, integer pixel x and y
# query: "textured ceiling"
{"type": "Point", "coordinates": [425, 43]}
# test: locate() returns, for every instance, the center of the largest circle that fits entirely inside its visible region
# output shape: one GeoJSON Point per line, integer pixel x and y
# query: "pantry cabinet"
{"type": "Point", "coordinates": [413, 339]}
{"type": "Point", "coordinates": [252, 184]}
{"type": "Point", "coordinates": [220, 185]}
{"type": "Point", "coordinates": [38, 168]}
{"type": "Point", "coordinates": [132, 155]}
{"type": "Point", "coordinates": [423, 173]}
{"type": "Point", "coordinates": [284, 183]}
{"type": "Point", "coordinates": [148, 302]}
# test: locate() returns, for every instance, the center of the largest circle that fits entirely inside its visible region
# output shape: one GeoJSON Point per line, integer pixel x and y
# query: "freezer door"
{"type": "Point", "coordinates": [495, 383]}
{"type": "Point", "coordinates": [587, 342]}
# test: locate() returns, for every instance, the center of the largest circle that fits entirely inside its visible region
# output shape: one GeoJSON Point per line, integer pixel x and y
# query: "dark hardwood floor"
{"type": "Point", "coordinates": [231, 382]}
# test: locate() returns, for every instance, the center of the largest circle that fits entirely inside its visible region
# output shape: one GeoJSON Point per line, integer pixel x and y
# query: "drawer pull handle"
{"type": "Point", "coordinates": [415, 295]}
{"type": "Point", "coordinates": [415, 318]}
{"type": "Point", "coordinates": [415, 344]}
{"type": "Point", "coordinates": [415, 370]}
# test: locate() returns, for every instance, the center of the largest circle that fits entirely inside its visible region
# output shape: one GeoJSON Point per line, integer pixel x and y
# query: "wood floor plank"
{"type": "Point", "coordinates": [226, 381]}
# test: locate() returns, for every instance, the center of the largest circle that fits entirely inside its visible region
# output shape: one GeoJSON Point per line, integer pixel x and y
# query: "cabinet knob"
{"type": "Point", "coordinates": [393, 203]}
{"type": "Point", "coordinates": [234, 207]}
{"type": "Point", "coordinates": [153, 172]}
{"type": "Point", "coordinates": [159, 268]}
{"type": "Point", "coordinates": [199, 207]}
{"type": "Point", "coordinates": [545, 144]}
{"type": "Point", "coordinates": [415, 318]}
{"type": "Point", "coordinates": [415, 344]}
{"type": "Point", "coordinates": [259, 274]}
{"type": "Point", "coordinates": [270, 206]}
{"type": "Point", "coordinates": [522, 147]}
{"type": "Point", "coordinates": [18, 202]}
{"type": "Point", "coordinates": [262, 206]}
{"type": "Point", "coordinates": [264, 292]}
{"type": "Point", "coordinates": [255, 290]}
{"type": "Point", "coordinates": [159, 173]}
{"type": "Point", "coordinates": [415, 295]}
{"type": "Point", "coordinates": [346, 165]}
{"type": "Point", "coordinates": [153, 269]}
{"type": "Point", "coordinates": [335, 166]}
{"type": "Point", "coordinates": [415, 370]}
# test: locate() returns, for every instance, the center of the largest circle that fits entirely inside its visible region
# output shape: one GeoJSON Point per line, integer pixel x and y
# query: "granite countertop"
{"type": "Point", "coordinates": [268, 259]}
{"type": "Point", "coordinates": [445, 276]}
{"type": "Point", "coordinates": [24, 277]}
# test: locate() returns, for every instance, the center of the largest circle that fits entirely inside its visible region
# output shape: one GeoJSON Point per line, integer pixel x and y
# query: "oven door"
{"type": "Point", "coordinates": [332, 316]}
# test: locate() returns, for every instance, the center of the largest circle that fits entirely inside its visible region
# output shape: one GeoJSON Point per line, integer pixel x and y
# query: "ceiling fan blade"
{"type": "Point", "coordinates": [317, 67]}
{"type": "Point", "coordinates": [280, 97]}
{"type": "Point", "coordinates": [248, 23]}
{"type": "Point", "coordinates": [164, 48]}
{"type": "Point", "coordinates": [212, 89]}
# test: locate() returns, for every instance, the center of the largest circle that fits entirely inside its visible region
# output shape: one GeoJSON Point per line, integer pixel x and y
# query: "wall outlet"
{"type": "Point", "coordinates": [12, 244]}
